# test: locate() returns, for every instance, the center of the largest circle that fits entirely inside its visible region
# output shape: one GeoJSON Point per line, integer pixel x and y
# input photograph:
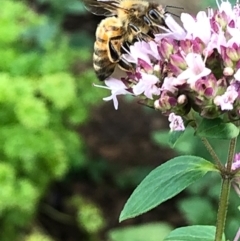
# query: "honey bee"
{"type": "Point", "coordinates": [127, 21]}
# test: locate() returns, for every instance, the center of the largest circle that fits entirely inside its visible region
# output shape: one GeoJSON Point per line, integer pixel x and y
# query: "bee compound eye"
{"type": "Point", "coordinates": [153, 14]}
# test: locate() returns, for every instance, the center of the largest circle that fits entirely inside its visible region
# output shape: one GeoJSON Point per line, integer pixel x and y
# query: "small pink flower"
{"type": "Point", "coordinates": [147, 85]}
{"type": "Point", "coordinates": [196, 69]}
{"type": "Point", "coordinates": [217, 40]}
{"type": "Point", "coordinates": [169, 84]}
{"type": "Point", "coordinates": [175, 30]}
{"type": "Point", "coordinates": [236, 162]}
{"type": "Point", "coordinates": [237, 237]}
{"type": "Point", "coordinates": [226, 100]}
{"type": "Point", "coordinates": [199, 27]}
{"type": "Point", "coordinates": [236, 179]}
{"type": "Point", "coordinates": [138, 51]}
{"type": "Point", "coordinates": [176, 122]}
{"type": "Point", "coordinates": [226, 7]}
{"type": "Point", "coordinates": [117, 87]}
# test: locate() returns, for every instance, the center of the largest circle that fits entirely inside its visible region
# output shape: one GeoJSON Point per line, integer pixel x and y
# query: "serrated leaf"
{"type": "Point", "coordinates": [190, 233]}
{"type": "Point", "coordinates": [165, 182]}
{"type": "Point", "coordinates": [174, 137]}
{"type": "Point", "coordinates": [217, 129]}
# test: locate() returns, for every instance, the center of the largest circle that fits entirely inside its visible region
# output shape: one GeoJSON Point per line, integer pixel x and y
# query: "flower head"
{"type": "Point", "coordinates": [194, 67]}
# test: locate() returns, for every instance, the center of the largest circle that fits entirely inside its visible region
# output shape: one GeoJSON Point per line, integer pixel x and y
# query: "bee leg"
{"type": "Point", "coordinates": [125, 48]}
{"type": "Point", "coordinates": [126, 66]}
{"type": "Point", "coordinates": [136, 30]}
{"type": "Point", "coordinates": [140, 36]}
{"type": "Point", "coordinates": [114, 55]}
{"type": "Point", "coordinates": [147, 21]}
{"type": "Point", "coordinates": [117, 58]}
{"type": "Point", "coordinates": [153, 30]}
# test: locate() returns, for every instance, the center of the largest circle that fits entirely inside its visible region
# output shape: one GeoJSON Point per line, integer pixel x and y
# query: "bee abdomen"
{"type": "Point", "coordinates": [103, 72]}
{"type": "Point", "coordinates": [107, 47]}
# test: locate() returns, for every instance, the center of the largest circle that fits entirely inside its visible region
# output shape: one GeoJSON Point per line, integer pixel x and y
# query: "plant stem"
{"type": "Point", "coordinates": [222, 209]}
{"type": "Point", "coordinates": [225, 190]}
{"type": "Point", "coordinates": [231, 152]}
{"type": "Point", "coordinates": [212, 153]}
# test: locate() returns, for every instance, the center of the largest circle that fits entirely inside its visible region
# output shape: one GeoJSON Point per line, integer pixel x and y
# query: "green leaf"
{"type": "Point", "coordinates": [217, 129]}
{"type": "Point", "coordinates": [164, 182]}
{"type": "Point", "coordinates": [196, 233]}
{"type": "Point", "coordinates": [149, 232]}
{"type": "Point", "coordinates": [174, 137]}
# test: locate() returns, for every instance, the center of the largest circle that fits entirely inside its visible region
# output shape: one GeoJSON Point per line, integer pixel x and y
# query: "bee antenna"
{"type": "Point", "coordinates": [176, 7]}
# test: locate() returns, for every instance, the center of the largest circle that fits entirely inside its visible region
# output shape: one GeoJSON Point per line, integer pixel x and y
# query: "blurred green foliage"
{"type": "Point", "coordinates": [57, 11]}
{"type": "Point", "coordinates": [213, 4]}
{"type": "Point", "coordinates": [37, 235]}
{"type": "Point", "coordinates": [41, 102]}
{"type": "Point", "coordinates": [89, 215]}
{"type": "Point", "coordinates": [63, 7]}
{"type": "Point", "coordinates": [200, 205]}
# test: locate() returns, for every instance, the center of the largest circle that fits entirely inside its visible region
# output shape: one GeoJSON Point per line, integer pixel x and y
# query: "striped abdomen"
{"type": "Point", "coordinates": [107, 47]}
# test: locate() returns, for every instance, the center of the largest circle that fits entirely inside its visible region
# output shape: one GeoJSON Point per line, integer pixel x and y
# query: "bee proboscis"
{"type": "Point", "coordinates": [127, 21]}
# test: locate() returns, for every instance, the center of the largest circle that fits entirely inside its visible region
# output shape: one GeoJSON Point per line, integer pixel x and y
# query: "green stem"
{"type": "Point", "coordinates": [212, 153]}
{"type": "Point", "coordinates": [222, 209]}
{"type": "Point", "coordinates": [206, 142]}
{"type": "Point", "coordinates": [227, 176]}
{"type": "Point", "coordinates": [231, 152]}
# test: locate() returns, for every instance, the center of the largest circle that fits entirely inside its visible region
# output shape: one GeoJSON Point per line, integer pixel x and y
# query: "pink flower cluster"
{"type": "Point", "coordinates": [194, 67]}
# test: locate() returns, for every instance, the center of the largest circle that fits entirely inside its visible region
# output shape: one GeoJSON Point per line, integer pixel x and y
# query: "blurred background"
{"type": "Point", "coordinates": [69, 161]}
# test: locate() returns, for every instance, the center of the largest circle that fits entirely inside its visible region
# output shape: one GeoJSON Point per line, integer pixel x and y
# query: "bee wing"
{"type": "Point", "coordinates": [102, 7]}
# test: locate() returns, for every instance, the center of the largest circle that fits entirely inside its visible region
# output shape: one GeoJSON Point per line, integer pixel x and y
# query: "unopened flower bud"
{"type": "Point", "coordinates": [206, 86]}
{"type": "Point", "coordinates": [165, 48]}
{"type": "Point", "coordinates": [225, 56]}
{"type": "Point", "coordinates": [157, 105]}
{"type": "Point", "coordinates": [182, 99]}
{"type": "Point", "coordinates": [198, 46]}
{"type": "Point", "coordinates": [177, 60]}
{"type": "Point", "coordinates": [232, 54]}
{"type": "Point", "coordinates": [186, 46]}
{"type": "Point", "coordinates": [228, 71]}
{"type": "Point", "coordinates": [221, 20]}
